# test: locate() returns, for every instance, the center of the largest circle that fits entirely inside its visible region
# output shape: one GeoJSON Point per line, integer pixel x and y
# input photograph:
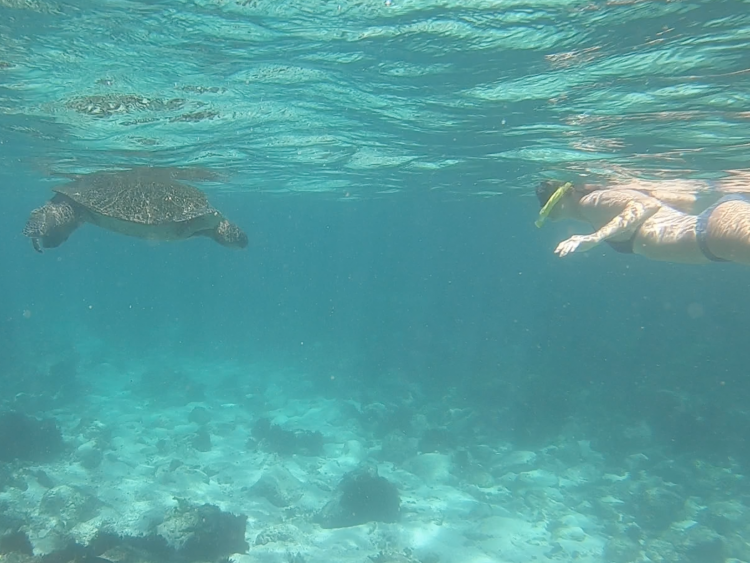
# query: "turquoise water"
{"type": "Point", "coordinates": [395, 296]}
{"type": "Point", "coordinates": [367, 97]}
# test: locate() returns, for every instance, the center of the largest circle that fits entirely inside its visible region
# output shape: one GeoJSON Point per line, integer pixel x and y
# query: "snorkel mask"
{"type": "Point", "coordinates": [551, 202]}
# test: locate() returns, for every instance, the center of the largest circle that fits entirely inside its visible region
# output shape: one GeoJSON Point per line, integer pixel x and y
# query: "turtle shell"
{"type": "Point", "coordinates": [141, 196]}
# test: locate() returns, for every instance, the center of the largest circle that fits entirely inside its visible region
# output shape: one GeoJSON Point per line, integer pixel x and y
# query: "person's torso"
{"type": "Point", "coordinates": [668, 234]}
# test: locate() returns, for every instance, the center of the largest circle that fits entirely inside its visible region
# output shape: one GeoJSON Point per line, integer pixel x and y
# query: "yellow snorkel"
{"type": "Point", "coordinates": [551, 202]}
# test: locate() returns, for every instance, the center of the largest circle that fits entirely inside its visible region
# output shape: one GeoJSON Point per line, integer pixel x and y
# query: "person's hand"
{"type": "Point", "coordinates": [576, 243]}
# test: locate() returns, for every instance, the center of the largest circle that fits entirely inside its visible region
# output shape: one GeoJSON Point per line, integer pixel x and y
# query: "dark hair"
{"type": "Point", "coordinates": [545, 190]}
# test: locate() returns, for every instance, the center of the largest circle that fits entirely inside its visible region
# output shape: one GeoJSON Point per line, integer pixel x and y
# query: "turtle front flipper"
{"type": "Point", "coordinates": [50, 225]}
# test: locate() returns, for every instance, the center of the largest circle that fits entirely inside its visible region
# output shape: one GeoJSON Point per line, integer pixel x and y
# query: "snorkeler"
{"type": "Point", "coordinates": [673, 227]}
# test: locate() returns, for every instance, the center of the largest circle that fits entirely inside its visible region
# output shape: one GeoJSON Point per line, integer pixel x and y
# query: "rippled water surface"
{"type": "Point", "coordinates": [357, 98]}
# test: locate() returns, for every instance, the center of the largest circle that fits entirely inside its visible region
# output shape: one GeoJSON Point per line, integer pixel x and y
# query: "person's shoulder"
{"type": "Point", "coordinates": [618, 196]}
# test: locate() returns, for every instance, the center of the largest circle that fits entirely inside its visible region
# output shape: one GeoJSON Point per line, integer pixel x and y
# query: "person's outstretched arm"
{"type": "Point", "coordinates": [634, 214]}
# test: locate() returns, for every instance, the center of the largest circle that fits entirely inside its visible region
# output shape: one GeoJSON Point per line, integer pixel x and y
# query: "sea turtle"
{"type": "Point", "coordinates": [144, 202]}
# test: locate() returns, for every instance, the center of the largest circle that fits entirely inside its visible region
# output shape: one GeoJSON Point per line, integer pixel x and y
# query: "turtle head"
{"type": "Point", "coordinates": [229, 234]}
{"type": "Point", "coordinates": [50, 225]}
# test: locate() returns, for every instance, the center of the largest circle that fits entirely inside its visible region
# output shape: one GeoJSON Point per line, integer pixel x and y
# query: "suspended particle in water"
{"type": "Point", "coordinates": [695, 310]}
